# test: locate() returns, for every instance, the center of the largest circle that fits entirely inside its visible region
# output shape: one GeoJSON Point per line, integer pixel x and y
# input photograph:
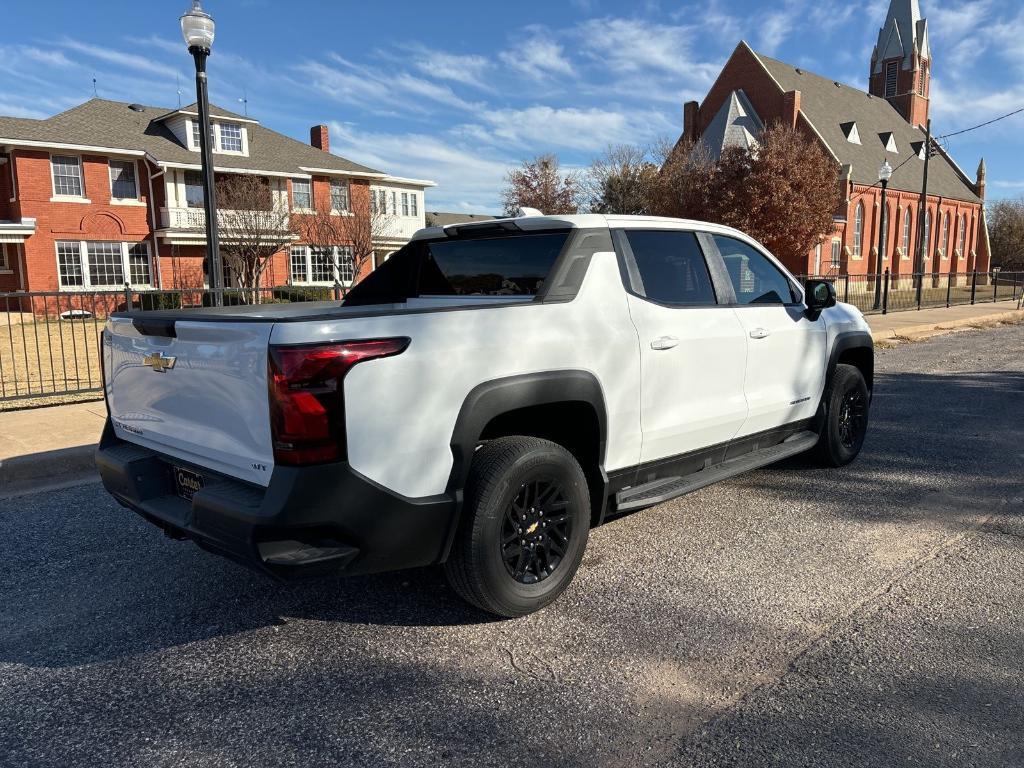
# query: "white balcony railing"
{"type": "Point", "coordinates": [195, 218]}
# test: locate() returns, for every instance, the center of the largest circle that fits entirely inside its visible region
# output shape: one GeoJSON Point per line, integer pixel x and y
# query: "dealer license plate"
{"type": "Point", "coordinates": [186, 483]}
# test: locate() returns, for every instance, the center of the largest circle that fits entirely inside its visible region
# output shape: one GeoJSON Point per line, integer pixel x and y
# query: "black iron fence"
{"type": "Point", "coordinates": [49, 341]}
{"type": "Point", "coordinates": [897, 292]}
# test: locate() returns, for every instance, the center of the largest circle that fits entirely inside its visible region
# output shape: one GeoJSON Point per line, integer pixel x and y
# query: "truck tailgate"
{"type": "Point", "coordinates": [199, 394]}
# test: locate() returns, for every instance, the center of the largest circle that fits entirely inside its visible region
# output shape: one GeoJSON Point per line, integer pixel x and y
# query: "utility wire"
{"type": "Point", "coordinates": [981, 125]}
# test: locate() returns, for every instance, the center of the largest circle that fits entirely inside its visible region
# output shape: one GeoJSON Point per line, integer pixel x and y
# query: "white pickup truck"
{"type": "Point", "coordinates": [481, 400]}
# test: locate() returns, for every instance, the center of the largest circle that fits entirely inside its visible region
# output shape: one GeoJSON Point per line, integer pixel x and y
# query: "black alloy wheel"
{"type": "Point", "coordinates": [846, 401]}
{"type": "Point", "coordinates": [536, 531]}
{"type": "Point", "coordinates": [524, 526]}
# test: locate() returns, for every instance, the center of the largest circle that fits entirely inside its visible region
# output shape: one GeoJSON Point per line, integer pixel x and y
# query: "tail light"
{"type": "Point", "coordinates": [307, 406]}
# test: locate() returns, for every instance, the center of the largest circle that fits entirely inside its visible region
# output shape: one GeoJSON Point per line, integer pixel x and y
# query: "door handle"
{"type": "Point", "coordinates": [760, 333]}
{"type": "Point", "coordinates": [664, 342]}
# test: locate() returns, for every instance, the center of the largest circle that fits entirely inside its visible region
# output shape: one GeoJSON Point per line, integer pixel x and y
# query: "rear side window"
{"type": "Point", "coordinates": [755, 279]}
{"type": "Point", "coordinates": [671, 267]}
{"type": "Point", "coordinates": [502, 265]}
{"type": "Point", "coordinates": [499, 266]}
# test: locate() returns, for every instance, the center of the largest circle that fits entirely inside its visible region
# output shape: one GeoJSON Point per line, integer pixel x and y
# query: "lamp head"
{"type": "Point", "coordinates": [197, 27]}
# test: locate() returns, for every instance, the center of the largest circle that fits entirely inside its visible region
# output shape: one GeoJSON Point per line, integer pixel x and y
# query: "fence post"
{"type": "Point", "coordinates": [995, 286]}
{"type": "Point", "coordinates": [974, 285]}
{"type": "Point", "coordinates": [920, 289]}
{"type": "Point", "coordinates": [885, 294]}
{"type": "Point", "coordinates": [337, 291]}
{"type": "Point", "coordinates": [127, 298]}
{"type": "Point", "coordinates": [949, 287]}
{"type": "Point", "coordinates": [846, 288]}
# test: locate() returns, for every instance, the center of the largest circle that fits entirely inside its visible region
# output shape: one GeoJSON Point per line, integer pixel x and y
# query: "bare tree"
{"type": "Point", "coordinates": [253, 227]}
{"type": "Point", "coordinates": [541, 184]}
{"type": "Point", "coordinates": [361, 228]}
{"type": "Point", "coordinates": [1006, 233]}
{"type": "Point", "coordinates": [620, 180]}
{"type": "Point", "coordinates": [784, 192]}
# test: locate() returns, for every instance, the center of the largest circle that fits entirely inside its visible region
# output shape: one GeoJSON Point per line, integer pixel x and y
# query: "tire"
{"type": "Point", "coordinates": [846, 417]}
{"type": "Point", "coordinates": [508, 477]}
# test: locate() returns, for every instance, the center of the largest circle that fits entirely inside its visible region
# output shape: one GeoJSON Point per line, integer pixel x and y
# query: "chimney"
{"type": "Point", "coordinates": [790, 107]}
{"type": "Point", "coordinates": [691, 113]}
{"type": "Point", "coordinates": [319, 138]}
{"type": "Point", "coordinates": [980, 185]}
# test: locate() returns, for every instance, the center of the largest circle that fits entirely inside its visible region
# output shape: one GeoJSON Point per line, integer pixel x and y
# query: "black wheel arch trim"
{"type": "Point", "coordinates": [495, 397]}
{"type": "Point", "coordinates": [844, 342]}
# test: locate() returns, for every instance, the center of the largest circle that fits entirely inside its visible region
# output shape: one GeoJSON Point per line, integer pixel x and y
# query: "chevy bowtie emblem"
{"type": "Point", "coordinates": [158, 362]}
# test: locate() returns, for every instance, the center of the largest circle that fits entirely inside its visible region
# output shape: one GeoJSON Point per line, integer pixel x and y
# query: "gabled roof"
{"type": "Point", "coordinates": [114, 125]}
{"type": "Point", "coordinates": [827, 105]}
{"type": "Point", "coordinates": [735, 125]}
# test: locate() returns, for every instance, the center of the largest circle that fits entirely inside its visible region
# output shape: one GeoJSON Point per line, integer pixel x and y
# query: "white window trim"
{"type": "Point", "coordinates": [340, 211]}
{"type": "Point", "coordinates": [137, 200]}
{"type": "Point", "coordinates": [53, 185]}
{"type": "Point", "coordinates": [219, 149]}
{"type": "Point", "coordinates": [5, 259]}
{"type": "Point", "coordinates": [298, 208]}
{"type": "Point", "coordinates": [83, 255]}
{"type": "Point", "coordinates": [308, 251]}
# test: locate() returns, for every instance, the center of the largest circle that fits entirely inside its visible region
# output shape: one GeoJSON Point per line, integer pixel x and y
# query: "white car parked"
{"type": "Point", "coordinates": [481, 400]}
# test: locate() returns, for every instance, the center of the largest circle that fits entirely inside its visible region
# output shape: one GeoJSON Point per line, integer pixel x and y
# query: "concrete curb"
{"type": "Point", "coordinates": [50, 469]}
{"type": "Point", "coordinates": [927, 330]}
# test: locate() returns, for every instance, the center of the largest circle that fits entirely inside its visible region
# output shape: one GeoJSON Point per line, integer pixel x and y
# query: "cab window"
{"type": "Point", "coordinates": [671, 267]}
{"type": "Point", "coordinates": [754, 278]}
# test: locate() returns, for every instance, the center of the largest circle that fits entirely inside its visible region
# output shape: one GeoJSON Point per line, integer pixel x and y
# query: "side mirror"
{"type": "Point", "coordinates": [819, 295]}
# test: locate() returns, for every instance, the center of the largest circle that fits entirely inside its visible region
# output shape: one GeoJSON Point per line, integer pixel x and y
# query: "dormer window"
{"type": "Point", "coordinates": [888, 141]}
{"type": "Point", "coordinates": [224, 137]}
{"type": "Point", "coordinates": [850, 132]}
{"type": "Point", "coordinates": [230, 137]}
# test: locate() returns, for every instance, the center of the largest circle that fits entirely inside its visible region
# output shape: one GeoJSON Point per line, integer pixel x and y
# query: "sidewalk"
{"type": "Point", "coordinates": [921, 324]}
{"type": "Point", "coordinates": [50, 447]}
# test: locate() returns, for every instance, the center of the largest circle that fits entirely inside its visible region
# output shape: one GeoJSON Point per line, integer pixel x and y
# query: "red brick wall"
{"type": "Point", "coordinates": [903, 264]}
{"type": "Point", "coordinates": [912, 106]}
{"type": "Point", "coordinates": [99, 219]}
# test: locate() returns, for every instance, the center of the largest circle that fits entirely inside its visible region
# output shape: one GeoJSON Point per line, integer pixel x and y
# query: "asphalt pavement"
{"type": "Point", "coordinates": [866, 616]}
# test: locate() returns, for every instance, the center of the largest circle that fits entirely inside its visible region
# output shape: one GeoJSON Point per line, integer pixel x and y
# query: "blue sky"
{"type": "Point", "coordinates": [459, 91]}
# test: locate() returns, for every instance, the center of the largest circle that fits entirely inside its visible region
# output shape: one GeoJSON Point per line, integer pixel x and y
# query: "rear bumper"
{"type": "Point", "coordinates": [308, 521]}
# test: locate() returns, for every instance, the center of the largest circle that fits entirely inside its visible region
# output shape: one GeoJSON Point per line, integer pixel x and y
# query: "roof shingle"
{"type": "Point", "coordinates": [828, 105]}
{"type": "Point", "coordinates": [104, 123]}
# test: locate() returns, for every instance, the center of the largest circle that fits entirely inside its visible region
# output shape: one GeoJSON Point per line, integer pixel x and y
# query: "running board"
{"type": "Point", "coordinates": [657, 491]}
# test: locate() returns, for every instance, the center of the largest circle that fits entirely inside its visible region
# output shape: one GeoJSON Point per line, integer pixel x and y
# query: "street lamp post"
{"type": "Point", "coordinates": [197, 28]}
{"type": "Point", "coordinates": [884, 174]}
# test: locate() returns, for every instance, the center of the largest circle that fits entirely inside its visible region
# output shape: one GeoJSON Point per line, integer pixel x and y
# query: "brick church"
{"type": "Point", "coordinates": [860, 131]}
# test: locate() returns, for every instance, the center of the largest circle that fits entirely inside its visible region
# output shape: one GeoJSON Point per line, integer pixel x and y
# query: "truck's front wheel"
{"type": "Point", "coordinates": [524, 526]}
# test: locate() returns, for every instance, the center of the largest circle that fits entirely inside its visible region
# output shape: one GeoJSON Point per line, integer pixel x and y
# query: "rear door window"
{"type": "Point", "coordinates": [754, 278]}
{"type": "Point", "coordinates": [500, 266]}
{"type": "Point", "coordinates": [671, 267]}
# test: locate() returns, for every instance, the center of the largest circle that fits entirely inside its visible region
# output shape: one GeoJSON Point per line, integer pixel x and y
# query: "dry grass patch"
{"type": "Point", "coordinates": [48, 357]}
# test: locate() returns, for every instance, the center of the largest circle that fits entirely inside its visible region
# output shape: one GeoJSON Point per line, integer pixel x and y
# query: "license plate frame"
{"type": "Point", "coordinates": [187, 482]}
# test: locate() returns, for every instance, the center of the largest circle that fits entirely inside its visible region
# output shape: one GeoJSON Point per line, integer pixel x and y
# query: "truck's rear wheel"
{"type": "Point", "coordinates": [524, 526]}
{"type": "Point", "coordinates": [846, 417]}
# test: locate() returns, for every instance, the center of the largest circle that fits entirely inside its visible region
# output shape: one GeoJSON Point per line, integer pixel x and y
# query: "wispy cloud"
{"type": "Point", "coordinates": [538, 56]}
{"type": "Point", "coordinates": [574, 128]}
{"type": "Point", "coordinates": [128, 61]}
{"type": "Point", "coordinates": [378, 90]}
{"type": "Point", "coordinates": [470, 177]}
{"type": "Point", "coordinates": [459, 68]}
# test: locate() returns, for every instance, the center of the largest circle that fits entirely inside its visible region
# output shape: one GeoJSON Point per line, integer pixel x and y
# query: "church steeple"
{"type": "Point", "coordinates": [901, 61]}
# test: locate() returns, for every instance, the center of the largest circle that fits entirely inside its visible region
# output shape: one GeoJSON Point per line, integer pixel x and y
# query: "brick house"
{"type": "Point", "coordinates": [109, 193]}
{"type": "Point", "coordinates": [860, 131]}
